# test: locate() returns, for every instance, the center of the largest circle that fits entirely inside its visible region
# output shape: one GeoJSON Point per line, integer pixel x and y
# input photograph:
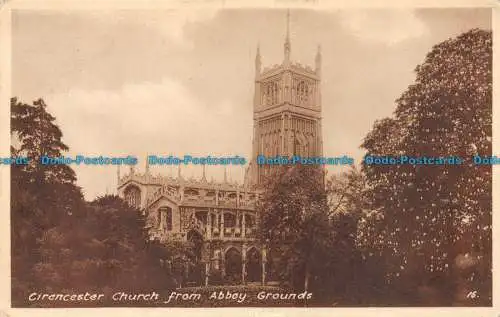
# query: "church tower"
{"type": "Point", "coordinates": [287, 110]}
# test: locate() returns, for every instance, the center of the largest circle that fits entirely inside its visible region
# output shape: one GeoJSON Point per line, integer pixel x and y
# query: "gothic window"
{"type": "Point", "coordinates": [275, 93]}
{"type": "Point", "coordinates": [191, 192]}
{"type": "Point", "coordinates": [302, 92]}
{"type": "Point", "coordinates": [210, 194]}
{"type": "Point", "coordinates": [202, 216]}
{"type": "Point", "coordinates": [297, 148]}
{"type": "Point", "coordinates": [232, 196]}
{"type": "Point", "coordinates": [301, 146]}
{"type": "Point", "coordinates": [165, 218]}
{"type": "Point", "coordinates": [269, 95]}
{"type": "Point", "coordinates": [249, 221]}
{"type": "Point", "coordinates": [133, 196]}
{"type": "Point", "coordinates": [169, 219]}
{"type": "Point", "coordinates": [229, 220]}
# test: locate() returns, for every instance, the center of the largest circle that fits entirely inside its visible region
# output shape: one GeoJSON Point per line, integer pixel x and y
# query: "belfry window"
{"type": "Point", "coordinates": [302, 91]}
{"type": "Point", "coordinates": [271, 93]}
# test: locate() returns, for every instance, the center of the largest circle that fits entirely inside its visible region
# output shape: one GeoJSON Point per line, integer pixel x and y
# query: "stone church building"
{"type": "Point", "coordinates": [220, 218]}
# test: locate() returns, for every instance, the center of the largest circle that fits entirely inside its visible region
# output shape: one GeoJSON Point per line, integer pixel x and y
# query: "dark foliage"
{"type": "Point", "coordinates": [60, 243]}
{"type": "Point", "coordinates": [431, 225]}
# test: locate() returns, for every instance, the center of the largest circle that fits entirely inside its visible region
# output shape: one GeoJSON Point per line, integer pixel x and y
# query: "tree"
{"type": "Point", "coordinates": [425, 218]}
{"type": "Point", "coordinates": [354, 281]}
{"type": "Point", "coordinates": [60, 243]}
{"type": "Point", "coordinates": [39, 136]}
{"type": "Point", "coordinates": [294, 225]}
{"type": "Point", "coordinates": [51, 186]}
{"type": "Point", "coordinates": [106, 251]}
{"type": "Point", "coordinates": [347, 193]}
{"type": "Point", "coordinates": [41, 196]}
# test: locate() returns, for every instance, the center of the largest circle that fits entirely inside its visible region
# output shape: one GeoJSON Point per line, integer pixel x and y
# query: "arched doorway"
{"type": "Point", "coordinates": [233, 266]}
{"type": "Point", "coordinates": [254, 265]}
{"type": "Point", "coordinates": [195, 266]}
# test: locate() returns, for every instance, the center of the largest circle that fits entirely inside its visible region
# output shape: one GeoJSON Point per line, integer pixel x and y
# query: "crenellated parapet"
{"type": "Point", "coordinates": [193, 194]}
{"type": "Point", "coordinates": [271, 70]}
{"type": "Point", "coordinates": [304, 70]}
{"type": "Point", "coordinates": [190, 191]}
{"type": "Point", "coordinates": [175, 206]}
{"type": "Point", "coordinates": [276, 69]}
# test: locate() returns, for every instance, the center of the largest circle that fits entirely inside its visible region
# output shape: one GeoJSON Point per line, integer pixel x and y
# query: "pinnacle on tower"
{"type": "Point", "coordinates": [287, 45]}
{"type": "Point", "coordinates": [118, 176]}
{"type": "Point", "coordinates": [318, 60]}
{"type": "Point", "coordinates": [147, 166]}
{"type": "Point", "coordinates": [179, 175]}
{"type": "Point", "coordinates": [258, 62]}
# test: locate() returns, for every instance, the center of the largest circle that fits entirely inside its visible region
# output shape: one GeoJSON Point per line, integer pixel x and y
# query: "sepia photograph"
{"type": "Point", "coordinates": [251, 157]}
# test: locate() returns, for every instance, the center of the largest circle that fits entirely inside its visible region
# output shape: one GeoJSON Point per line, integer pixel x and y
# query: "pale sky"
{"type": "Point", "coordinates": [181, 82]}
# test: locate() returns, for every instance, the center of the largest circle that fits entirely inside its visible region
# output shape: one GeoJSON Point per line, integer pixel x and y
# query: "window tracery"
{"type": "Point", "coordinates": [133, 196]}
{"type": "Point", "coordinates": [165, 218]}
{"type": "Point", "coordinates": [271, 93]}
{"type": "Point", "coordinates": [302, 92]}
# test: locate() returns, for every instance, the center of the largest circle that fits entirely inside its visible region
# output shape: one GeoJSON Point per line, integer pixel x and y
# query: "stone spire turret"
{"type": "Point", "coordinates": [287, 45]}
{"type": "Point", "coordinates": [146, 169]}
{"type": "Point", "coordinates": [258, 62]}
{"type": "Point", "coordinates": [204, 178]}
{"type": "Point", "coordinates": [118, 176]}
{"type": "Point", "coordinates": [318, 61]}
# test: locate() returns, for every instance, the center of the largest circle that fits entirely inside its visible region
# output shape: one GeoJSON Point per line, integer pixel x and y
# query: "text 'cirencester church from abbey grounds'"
{"type": "Point", "coordinates": [220, 217]}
